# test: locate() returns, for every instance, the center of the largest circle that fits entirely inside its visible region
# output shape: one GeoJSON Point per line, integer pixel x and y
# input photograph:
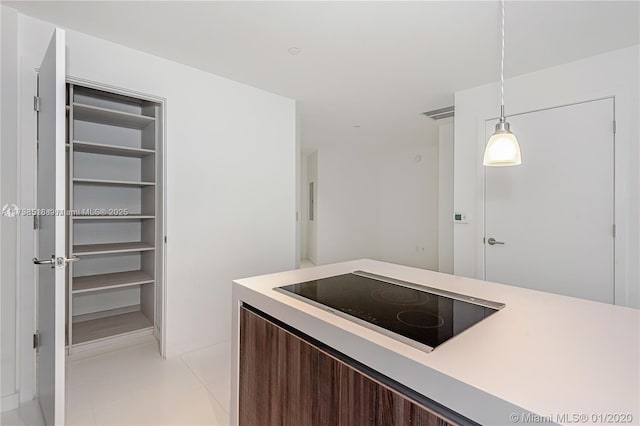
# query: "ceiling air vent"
{"type": "Point", "coordinates": [441, 113]}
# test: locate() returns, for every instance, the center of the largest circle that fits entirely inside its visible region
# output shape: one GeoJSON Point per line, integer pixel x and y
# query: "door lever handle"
{"type": "Point", "coordinates": [56, 262]}
{"type": "Point", "coordinates": [51, 262]}
{"type": "Point", "coordinates": [492, 241]}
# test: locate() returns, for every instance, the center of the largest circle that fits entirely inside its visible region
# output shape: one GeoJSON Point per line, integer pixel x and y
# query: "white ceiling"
{"type": "Point", "coordinates": [372, 64]}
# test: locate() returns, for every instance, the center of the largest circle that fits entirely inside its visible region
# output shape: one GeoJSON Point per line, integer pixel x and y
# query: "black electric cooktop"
{"type": "Point", "coordinates": [421, 316]}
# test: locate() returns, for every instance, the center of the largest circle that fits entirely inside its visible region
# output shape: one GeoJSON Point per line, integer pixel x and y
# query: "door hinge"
{"type": "Point", "coordinates": [36, 103]}
{"type": "Point", "coordinates": [615, 126]}
{"type": "Point", "coordinates": [614, 230]}
{"type": "Point", "coordinates": [36, 339]}
{"type": "Point", "coordinates": [36, 222]}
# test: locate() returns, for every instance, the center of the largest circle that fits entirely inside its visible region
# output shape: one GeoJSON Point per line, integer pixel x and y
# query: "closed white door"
{"type": "Point", "coordinates": [52, 232]}
{"type": "Point", "coordinates": [549, 222]}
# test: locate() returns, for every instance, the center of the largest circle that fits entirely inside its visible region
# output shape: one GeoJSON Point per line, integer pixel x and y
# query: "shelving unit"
{"type": "Point", "coordinates": [113, 217]}
{"type": "Point", "coordinates": [110, 326]}
{"type": "Point", "coordinates": [110, 248]}
{"type": "Point", "coordinates": [110, 182]}
{"type": "Point", "coordinates": [109, 281]}
{"type": "Point", "coordinates": [114, 179]}
{"type": "Point", "coordinates": [100, 148]}
{"type": "Point", "coordinates": [110, 116]}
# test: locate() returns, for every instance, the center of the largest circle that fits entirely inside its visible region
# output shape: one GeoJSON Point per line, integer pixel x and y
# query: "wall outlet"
{"type": "Point", "coordinates": [459, 217]}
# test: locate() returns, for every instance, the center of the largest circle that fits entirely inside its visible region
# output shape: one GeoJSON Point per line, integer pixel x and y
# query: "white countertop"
{"type": "Point", "coordinates": [542, 353]}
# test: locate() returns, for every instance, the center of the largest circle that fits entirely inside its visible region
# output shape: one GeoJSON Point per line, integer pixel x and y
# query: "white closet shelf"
{"type": "Point", "coordinates": [119, 135]}
{"type": "Point", "coordinates": [108, 281]}
{"type": "Point", "coordinates": [121, 151]}
{"type": "Point", "coordinates": [113, 217]}
{"type": "Point", "coordinates": [89, 249]}
{"type": "Point", "coordinates": [109, 182]}
{"type": "Point", "coordinates": [111, 326]}
{"type": "Point", "coordinates": [110, 117]}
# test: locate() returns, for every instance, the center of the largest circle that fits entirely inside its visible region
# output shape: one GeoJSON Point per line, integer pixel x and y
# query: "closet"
{"type": "Point", "coordinates": [114, 194]}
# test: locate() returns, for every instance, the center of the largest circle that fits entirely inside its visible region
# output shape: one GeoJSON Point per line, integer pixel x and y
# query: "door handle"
{"type": "Point", "coordinates": [492, 241]}
{"type": "Point", "coordinates": [58, 263]}
{"type": "Point", "coordinates": [45, 262]}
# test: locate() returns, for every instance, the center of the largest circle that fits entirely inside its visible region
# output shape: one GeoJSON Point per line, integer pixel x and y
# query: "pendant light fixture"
{"type": "Point", "coordinates": [502, 148]}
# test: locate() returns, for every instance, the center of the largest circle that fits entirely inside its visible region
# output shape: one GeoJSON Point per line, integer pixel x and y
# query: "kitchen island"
{"type": "Point", "coordinates": [543, 358]}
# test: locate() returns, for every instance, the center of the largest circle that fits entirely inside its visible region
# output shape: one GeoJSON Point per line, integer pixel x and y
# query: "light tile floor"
{"type": "Point", "coordinates": [27, 415]}
{"type": "Point", "coordinates": [135, 386]}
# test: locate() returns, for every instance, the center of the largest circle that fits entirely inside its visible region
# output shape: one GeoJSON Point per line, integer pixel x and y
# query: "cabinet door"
{"type": "Point", "coordinates": [285, 380]}
{"type": "Point", "coordinates": [279, 376]}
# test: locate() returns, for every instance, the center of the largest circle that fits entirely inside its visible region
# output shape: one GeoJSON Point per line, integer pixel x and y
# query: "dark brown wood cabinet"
{"type": "Point", "coordinates": [286, 380]}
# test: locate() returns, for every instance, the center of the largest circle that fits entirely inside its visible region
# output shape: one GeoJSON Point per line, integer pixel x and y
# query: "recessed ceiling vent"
{"type": "Point", "coordinates": [438, 114]}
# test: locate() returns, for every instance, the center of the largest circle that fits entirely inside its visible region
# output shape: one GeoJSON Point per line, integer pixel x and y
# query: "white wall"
{"type": "Point", "coordinates": [298, 187]}
{"type": "Point", "coordinates": [303, 206]}
{"type": "Point", "coordinates": [611, 74]}
{"type": "Point", "coordinates": [312, 225]}
{"type": "Point", "coordinates": [445, 198]}
{"type": "Point", "coordinates": [408, 206]}
{"type": "Point", "coordinates": [231, 154]}
{"type": "Point", "coordinates": [8, 194]}
{"type": "Point", "coordinates": [347, 205]}
{"type": "Point", "coordinates": [378, 203]}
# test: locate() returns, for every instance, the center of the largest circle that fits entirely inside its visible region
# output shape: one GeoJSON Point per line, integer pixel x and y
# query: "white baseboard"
{"type": "Point", "coordinates": [10, 402]}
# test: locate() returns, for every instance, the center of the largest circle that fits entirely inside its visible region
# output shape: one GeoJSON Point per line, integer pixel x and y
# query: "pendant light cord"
{"type": "Point", "coordinates": [502, 64]}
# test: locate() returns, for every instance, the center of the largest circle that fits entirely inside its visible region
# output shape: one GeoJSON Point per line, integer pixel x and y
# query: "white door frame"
{"type": "Point", "coordinates": [620, 201]}
{"type": "Point", "coordinates": [163, 102]}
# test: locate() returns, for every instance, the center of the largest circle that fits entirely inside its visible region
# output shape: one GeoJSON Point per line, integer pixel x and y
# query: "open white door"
{"type": "Point", "coordinates": [52, 232]}
{"type": "Point", "coordinates": [549, 222]}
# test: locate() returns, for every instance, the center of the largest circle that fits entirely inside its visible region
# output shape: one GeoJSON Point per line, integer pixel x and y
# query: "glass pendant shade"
{"type": "Point", "coordinates": [503, 148]}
